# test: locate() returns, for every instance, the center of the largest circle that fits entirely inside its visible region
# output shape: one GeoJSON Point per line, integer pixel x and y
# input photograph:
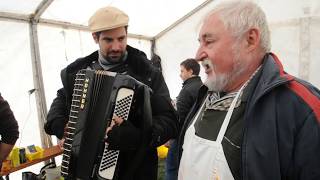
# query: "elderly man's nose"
{"type": "Point", "coordinates": [200, 55]}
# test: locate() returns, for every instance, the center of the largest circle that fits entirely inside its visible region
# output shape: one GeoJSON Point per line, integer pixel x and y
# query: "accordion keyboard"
{"type": "Point", "coordinates": [77, 97]}
{"type": "Point", "coordinates": [110, 157]}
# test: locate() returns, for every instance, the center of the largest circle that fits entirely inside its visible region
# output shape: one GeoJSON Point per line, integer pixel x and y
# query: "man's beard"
{"type": "Point", "coordinates": [216, 82]}
{"type": "Point", "coordinates": [116, 59]}
{"type": "Point", "coordinates": [219, 82]}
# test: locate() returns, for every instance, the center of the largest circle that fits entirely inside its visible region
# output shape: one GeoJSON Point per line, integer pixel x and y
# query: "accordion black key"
{"type": "Point", "coordinates": [97, 97]}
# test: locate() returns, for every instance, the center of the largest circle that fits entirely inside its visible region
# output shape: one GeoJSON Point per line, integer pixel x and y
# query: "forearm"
{"type": "Point", "coordinates": [4, 151]}
{"type": "Point", "coordinates": [57, 116]}
{"type": "Point", "coordinates": [165, 122]}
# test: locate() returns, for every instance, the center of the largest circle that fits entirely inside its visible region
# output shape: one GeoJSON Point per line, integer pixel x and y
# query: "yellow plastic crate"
{"type": "Point", "coordinates": [35, 155]}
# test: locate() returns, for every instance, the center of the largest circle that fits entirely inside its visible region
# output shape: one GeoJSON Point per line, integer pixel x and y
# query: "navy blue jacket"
{"type": "Point", "coordinates": [281, 138]}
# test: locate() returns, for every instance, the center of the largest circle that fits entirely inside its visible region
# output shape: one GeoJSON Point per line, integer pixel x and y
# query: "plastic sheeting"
{"type": "Point", "coordinates": [19, 6]}
{"type": "Point", "coordinates": [17, 82]}
{"type": "Point", "coordinates": [146, 17]}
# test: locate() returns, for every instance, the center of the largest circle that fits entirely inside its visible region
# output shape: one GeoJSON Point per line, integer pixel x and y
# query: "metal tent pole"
{"type": "Point", "coordinates": [38, 83]}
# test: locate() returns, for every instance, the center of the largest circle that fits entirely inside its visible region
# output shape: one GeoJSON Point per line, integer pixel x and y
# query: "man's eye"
{"type": "Point", "coordinates": [108, 40]}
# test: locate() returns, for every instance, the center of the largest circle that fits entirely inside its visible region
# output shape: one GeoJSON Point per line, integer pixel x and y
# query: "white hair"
{"type": "Point", "coordinates": [240, 16]}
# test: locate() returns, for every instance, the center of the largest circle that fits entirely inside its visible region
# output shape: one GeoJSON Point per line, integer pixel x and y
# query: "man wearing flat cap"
{"type": "Point", "coordinates": [109, 30]}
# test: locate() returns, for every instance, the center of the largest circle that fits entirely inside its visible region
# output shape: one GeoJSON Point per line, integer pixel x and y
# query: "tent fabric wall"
{"type": "Point", "coordinates": [16, 78]}
{"type": "Point", "coordinates": [16, 81]}
{"type": "Point", "coordinates": [315, 51]}
{"type": "Point", "coordinates": [179, 44]}
{"type": "Point", "coordinates": [146, 17]}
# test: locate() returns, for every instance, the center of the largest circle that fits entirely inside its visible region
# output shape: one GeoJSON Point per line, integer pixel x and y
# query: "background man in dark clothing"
{"type": "Point", "coordinates": [109, 31]}
{"type": "Point", "coordinates": [189, 73]}
{"type": "Point", "coordinates": [9, 129]}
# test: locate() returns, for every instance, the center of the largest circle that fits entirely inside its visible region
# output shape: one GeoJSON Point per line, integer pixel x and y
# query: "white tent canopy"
{"type": "Point", "coordinates": [40, 37]}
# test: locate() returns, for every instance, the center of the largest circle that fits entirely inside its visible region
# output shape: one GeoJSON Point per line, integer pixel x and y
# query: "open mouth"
{"type": "Point", "coordinates": [206, 65]}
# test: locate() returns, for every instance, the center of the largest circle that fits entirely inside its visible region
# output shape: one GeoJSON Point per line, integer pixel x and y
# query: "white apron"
{"type": "Point", "coordinates": [203, 159]}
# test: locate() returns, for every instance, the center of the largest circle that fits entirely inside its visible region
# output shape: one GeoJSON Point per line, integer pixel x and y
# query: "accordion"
{"type": "Point", "coordinates": [97, 97]}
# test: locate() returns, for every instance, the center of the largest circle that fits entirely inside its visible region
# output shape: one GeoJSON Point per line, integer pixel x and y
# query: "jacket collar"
{"type": "Point", "coordinates": [191, 79]}
{"type": "Point", "coordinates": [272, 74]}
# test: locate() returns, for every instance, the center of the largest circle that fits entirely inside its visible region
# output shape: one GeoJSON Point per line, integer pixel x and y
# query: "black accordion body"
{"type": "Point", "coordinates": [97, 96]}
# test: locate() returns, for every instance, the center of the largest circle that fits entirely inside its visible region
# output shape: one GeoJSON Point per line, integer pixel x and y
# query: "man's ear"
{"type": "Point", "coordinates": [190, 72]}
{"type": "Point", "coordinates": [253, 39]}
{"type": "Point", "coordinates": [95, 38]}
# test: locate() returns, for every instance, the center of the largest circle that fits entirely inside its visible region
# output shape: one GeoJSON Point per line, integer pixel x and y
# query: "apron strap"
{"type": "Point", "coordinates": [228, 116]}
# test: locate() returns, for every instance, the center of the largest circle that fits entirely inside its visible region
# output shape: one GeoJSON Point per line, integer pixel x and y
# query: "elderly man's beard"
{"type": "Point", "coordinates": [215, 82]}
{"type": "Point", "coordinates": [219, 82]}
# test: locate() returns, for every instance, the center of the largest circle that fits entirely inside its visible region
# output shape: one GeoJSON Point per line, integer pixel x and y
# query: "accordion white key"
{"type": "Point", "coordinates": [110, 157]}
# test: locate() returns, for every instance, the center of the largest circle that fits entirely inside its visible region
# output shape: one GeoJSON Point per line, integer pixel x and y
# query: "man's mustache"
{"type": "Point", "coordinates": [206, 64]}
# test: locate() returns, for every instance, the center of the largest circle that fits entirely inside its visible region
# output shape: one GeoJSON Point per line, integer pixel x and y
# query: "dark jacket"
{"type": "Point", "coordinates": [281, 138]}
{"type": "Point", "coordinates": [137, 65]}
{"type": "Point", "coordinates": [187, 97]}
{"type": "Point", "coordinates": [9, 129]}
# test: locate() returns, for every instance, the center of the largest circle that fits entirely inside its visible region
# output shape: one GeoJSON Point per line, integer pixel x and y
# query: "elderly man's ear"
{"type": "Point", "coordinates": [253, 39]}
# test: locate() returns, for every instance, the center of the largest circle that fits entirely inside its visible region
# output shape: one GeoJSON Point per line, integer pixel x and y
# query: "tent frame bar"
{"type": "Point", "coordinates": [14, 17]}
{"type": "Point", "coordinates": [46, 140]}
{"type": "Point", "coordinates": [68, 25]}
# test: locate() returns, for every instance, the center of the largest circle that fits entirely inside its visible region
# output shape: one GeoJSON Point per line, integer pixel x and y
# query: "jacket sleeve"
{"type": "Point", "coordinates": [184, 104]}
{"type": "Point", "coordinates": [9, 129]}
{"type": "Point", "coordinates": [306, 152]}
{"type": "Point", "coordinates": [57, 116]}
{"type": "Point", "coordinates": [164, 117]}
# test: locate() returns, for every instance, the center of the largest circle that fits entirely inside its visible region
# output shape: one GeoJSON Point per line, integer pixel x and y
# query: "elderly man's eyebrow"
{"type": "Point", "coordinates": [205, 36]}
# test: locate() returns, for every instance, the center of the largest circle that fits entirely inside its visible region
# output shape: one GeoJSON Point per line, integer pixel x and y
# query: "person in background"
{"type": "Point", "coordinates": [109, 30]}
{"type": "Point", "coordinates": [252, 120]}
{"type": "Point", "coordinates": [156, 61]}
{"type": "Point", "coordinates": [189, 73]}
{"type": "Point", "coordinates": [9, 129]}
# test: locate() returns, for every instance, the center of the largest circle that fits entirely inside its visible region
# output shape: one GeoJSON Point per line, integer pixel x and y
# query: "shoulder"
{"type": "Point", "coordinates": [139, 62]}
{"type": "Point", "coordinates": [192, 85]}
{"type": "Point", "coordinates": [308, 93]}
{"type": "Point", "coordinates": [81, 63]}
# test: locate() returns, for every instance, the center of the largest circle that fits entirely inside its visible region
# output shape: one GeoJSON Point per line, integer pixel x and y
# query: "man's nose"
{"type": "Point", "coordinates": [116, 46]}
{"type": "Point", "coordinates": [201, 55]}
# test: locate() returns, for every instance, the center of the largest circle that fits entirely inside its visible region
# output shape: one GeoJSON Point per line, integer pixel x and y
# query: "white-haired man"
{"type": "Point", "coordinates": [251, 120]}
{"type": "Point", "coordinates": [109, 30]}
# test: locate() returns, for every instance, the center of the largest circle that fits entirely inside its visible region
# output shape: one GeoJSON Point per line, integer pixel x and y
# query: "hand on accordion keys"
{"type": "Point", "coordinates": [116, 121]}
{"type": "Point", "coordinates": [122, 135]}
{"type": "Point", "coordinates": [61, 141]}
